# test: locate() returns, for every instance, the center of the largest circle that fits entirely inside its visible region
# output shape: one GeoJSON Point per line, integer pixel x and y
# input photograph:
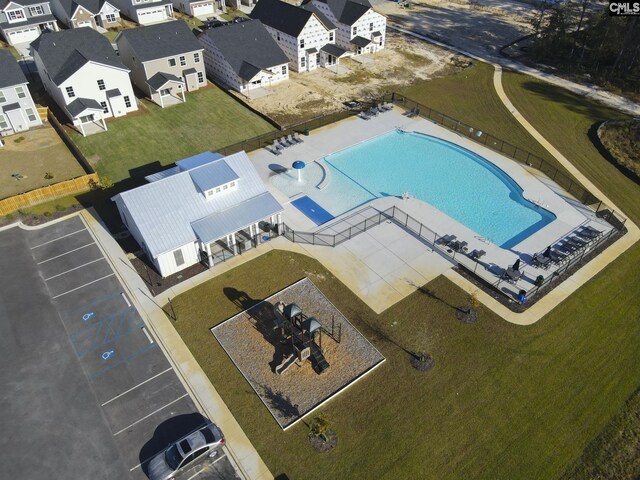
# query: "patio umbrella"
{"type": "Point", "coordinates": [516, 266]}
{"type": "Point", "coordinates": [298, 165]}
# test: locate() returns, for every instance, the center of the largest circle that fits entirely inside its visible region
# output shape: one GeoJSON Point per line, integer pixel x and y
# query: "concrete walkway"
{"type": "Point", "coordinates": [239, 448]}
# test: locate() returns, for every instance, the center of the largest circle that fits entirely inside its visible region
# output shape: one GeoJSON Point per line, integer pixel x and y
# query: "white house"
{"type": "Point", "coordinates": [17, 110]}
{"type": "Point", "coordinates": [86, 13]}
{"type": "Point", "coordinates": [83, 74]}
{"type": "Point", "coordinates": [360, 29]}
{"type": "Point", "coordinates": [305, 34]}
{"type": "Point", "coordinates": [200, 8]}
{"type": "Point", "coordinates": [146, 12]}
{"type": "Point", "coordinates": [165, 60]}
{"type": "Point", "coordinates": [206, 208]}
{"type": "Point", "coordinates": [243, 56]}
{"type": "Point", "coordinates": [22, 21]}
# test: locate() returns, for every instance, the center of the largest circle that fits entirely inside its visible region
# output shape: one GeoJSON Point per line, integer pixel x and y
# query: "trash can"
{"type": "Point", "coordinates": [306, 132]}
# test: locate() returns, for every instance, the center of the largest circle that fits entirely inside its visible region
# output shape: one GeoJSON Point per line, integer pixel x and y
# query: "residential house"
{"type": "Point", "coordinates": [305, 34]}
{"type": "Point", "coordinates": [22, 21]}
{"type": "Point", "coordinates": [17, 110]}
{"type": "Point", "coordinates": [360, 29]}
{"type": "Point", "coordinates": [81, 71]}
{"type": "Point", "coordinates": [200, 8]}
{"type": "Point", "coordinates": [243, 56]}
{"type": "Point", "coordinates": [165, 60]}
{"type": "Point", "coordinates": [207, 208]}
{"type": "Point", "coordinates": [86, 13]}
{"type": "Point", "coordinates": [146, 12]}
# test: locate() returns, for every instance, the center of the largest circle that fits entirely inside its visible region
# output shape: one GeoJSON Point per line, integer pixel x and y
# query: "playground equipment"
{"type": "Point", "coordinates": [305, 334]}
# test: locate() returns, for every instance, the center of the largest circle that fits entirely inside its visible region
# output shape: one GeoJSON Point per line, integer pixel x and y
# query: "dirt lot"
{"type": "Point", "coordinates": [403, 61]}
{"type": "Point", "coordinates": [33, 154]}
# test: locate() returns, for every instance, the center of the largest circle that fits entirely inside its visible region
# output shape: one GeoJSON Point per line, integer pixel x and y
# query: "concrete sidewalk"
{"type": "Point", "coordinates": [239, 448]}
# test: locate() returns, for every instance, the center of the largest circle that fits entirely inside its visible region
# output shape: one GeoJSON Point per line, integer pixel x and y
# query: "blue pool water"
{"type": "Point", "coordinates": [312, 210]}
{"type": "Point", "coordinates": [454, 180]}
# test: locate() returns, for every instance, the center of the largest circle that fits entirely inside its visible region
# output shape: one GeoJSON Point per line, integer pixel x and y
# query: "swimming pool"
{"type": "Point", "coordinates": [460, 183]}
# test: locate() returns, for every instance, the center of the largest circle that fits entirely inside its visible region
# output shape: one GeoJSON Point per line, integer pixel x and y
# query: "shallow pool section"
{"type": "Point", "coordinates": [456, 181]}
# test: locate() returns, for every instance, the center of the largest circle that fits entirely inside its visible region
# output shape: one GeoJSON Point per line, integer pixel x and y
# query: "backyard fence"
{"type": "Point", "coordinates": [50, 192]}
{"type": "Point", "coordinates": [73, 148]}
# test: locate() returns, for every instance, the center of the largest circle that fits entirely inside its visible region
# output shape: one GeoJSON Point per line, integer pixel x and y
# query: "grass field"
{"type": "Point", "coordinates": [208, 120]}
{"type": "Point", "coordinates": [503, 401]}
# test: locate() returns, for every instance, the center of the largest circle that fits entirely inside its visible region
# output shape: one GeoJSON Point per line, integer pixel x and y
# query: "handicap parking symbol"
{"type": "Point", "coordinates": [108, 354]}
{"type": "Point", "coordinates": [88, 316]}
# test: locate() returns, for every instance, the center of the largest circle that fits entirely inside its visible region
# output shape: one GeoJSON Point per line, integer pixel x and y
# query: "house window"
{"type": "Point", "coordinates": [303, 62]}
{"type": "Point", "coordinates": [355, 30]}
{"type": "Point", "coordinates": [183, 61]}
{"type": "Point", "coordinates": [217, 189]}
{"type": "Point", "coordinates": [278, 36]}
{"type": "Point", "coordinates": [179, 257]}
{"type": "Point", "coordinates": [371, 27]}
{"type": "Point", "coordinates": [232, 184]}
{"type": "Point", "coordinates": [196, 57]}
{"type": "Point", "coordinates": [331, 36]}
{"type": "Point", "coordinates": [172, 62]}
{"type": "Point", "coordinates": [302, 43]}
{"type": "Point", "coordinates": [110, 17]}
{"type": "Point", "coordinates": [105, 109]}
{"type": "Point", "coordinates": [70, 92]}
{"type": "Point", "coordinates": [101, 85]}
{"type": "Point", "coordinates": [284, 69]}
{"type": "Point", "coordinates": [15, 15]}
{"type": "Point", "coordinates": [2, 97]}
{"type": "Point", "coordinates": [31, 115]}
{"type": "Point", "coordinates": [224, 187]}
{"type": "Point", "coordinates": [200, 77]}
{"type": "Point", "coordinates": [20, 92]}
{"type": "Point", "coordinates": [3, 123]}
{"type": "Point", "coordinates": [127, 101]}
{"type": "Point", "coordinates": [36, 10]}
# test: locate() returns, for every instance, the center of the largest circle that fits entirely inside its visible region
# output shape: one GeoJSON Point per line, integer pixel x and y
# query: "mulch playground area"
{"type": "Point", "coordinates": [256, 347]}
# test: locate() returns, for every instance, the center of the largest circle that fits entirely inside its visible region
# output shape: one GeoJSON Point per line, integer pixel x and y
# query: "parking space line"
{"type": "Point", "coordinates": [75, 268]}
{"type": "Point", "coordinates": [133, 388]}
{"type": "Point", "coordinates": [82, 286]}
{"type": "Point", "coordinates": [67, 253]}
{"type": "Point", "coordinates": [151, 414]}
{"type": "Point", "coordinates": [59, 238]}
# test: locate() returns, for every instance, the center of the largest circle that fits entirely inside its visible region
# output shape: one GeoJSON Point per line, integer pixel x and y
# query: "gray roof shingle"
{"type": "Point", "coordinates": [247, 47]}
{"type": "Point", "coordinates": [161, 40]}
{"type": "Point", "coordinates": [79, 105]}
{"type": "Point", "coordinates": [93, 6]}
{"type": "Point", "coordinates": [287, 18]}
{"type": "Point", "coordinates": [4, 3]}
{"type": "Point", "coordinates": [160, 79]}
{"type": "Point", "coordinates": [10, 72]}
{"type": "Point", "coordinates": [348, 11]}
{"type": "Point", "coordinates": [64, 53]}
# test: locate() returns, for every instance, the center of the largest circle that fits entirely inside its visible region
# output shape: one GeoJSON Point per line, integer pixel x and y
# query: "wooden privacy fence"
{"type": "Point", "coordinates": [50, 192]}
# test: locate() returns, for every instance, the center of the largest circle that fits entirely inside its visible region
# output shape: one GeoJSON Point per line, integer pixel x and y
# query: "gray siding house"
{"type": "Point", "coordinates": [22, 21]}
{"type": "Point", "coordinates": [146, 12]}
{"type": "Point", "coordinates": [17, 110]}
{"type": "Point", "coordinates": [165, 60]}
{"type": "Point", "coordinates": [86, 13]}
{"type": "Point", "coordinates": [243, 56]}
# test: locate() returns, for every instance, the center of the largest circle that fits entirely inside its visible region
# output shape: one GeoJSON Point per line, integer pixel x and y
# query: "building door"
{"type": "Point", "coordinates": [17, 120]}
{"type": "Point", "coordinates": [165, 92]}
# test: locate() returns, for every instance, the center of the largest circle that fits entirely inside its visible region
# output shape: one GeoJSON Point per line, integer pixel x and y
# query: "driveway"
{"type": "Point", "coordinates": [86, 391]}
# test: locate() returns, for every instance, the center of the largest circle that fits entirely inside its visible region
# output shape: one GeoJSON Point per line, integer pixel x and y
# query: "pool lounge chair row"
{"type": "Point", "coordinates": [284, 142]}
{"type": "Point", "coordinates": [452, 242]}
{"type": "Point", "coordinates": [374, 111]}
{"type": "Point", "coordinates": [566, 248]}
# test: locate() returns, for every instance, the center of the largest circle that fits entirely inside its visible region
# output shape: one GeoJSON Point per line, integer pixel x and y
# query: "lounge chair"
{"type": "Point", "coordinates": [283, 142]}
{"type": "Point", "coordinates": [274, 148]}
{"type": "Point", "coordinates": [477, 254]}
{"type": "Point", "coordinates": [540, 260]}
{"type": "Point", "coordinates": [579, 244]}
{"type": "Point", "coordinates": [446, 240]}
{"type": "Point", "coordinates": [291, 140]}
{"type": "Point", "coordinates": [296, 138]}
{"type": "Point", "coordinates": [364, 115]}
{"type": "Point", "coordinates": [373, 111]}
{"type": "Point", "coordinates": [593, 231]}
{"type": "Point", "coordinates": [412, 113]}
{"type": "Point", "coordinates": [557, 257]}
{"type": "Point", "coordinates": [388, 106]}
{"type": "Point", "coordinates": [458, 246]}
{"type": "Point", "coordinates": [512, 275]}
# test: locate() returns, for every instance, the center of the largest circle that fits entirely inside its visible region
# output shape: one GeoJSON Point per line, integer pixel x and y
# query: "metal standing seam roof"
{"type": "Point", "coordinates": [10, 72]}
{"type": "Point", "coordinates": [218, 173]}
{"type": "Point", "coordinates": [165, 210]}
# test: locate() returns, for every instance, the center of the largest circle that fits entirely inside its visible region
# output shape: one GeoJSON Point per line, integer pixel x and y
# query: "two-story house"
{"type": "Point", "coordinates": [200, 8]}
{"type": "Point", "coordinates": [81, 71]}
{"type": "Point", "coordinates": [165, 60]}
{"type": "Point", "coordinates": [146, 12]}
{"type": "Point", "coordinates": [305, 34]}
{"type": "Point", "coordinates": [17, 110]}
{"type": "Point", "coordinates": [243, 56]}
{"type": "Point", "coordinates": [86, 13]}
{"type": "Point", "coordinates": [22, 21]}
{"type": "Point", "coordinates": [360, 29]}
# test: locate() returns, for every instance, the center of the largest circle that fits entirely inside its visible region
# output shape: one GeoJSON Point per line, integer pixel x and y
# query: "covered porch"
{"type": "Point", "coordinates": [330, 56]}
{"type": "Point", "coordinates": [166, 89]}
{"type": "Point", "coordinates": [87, 115]}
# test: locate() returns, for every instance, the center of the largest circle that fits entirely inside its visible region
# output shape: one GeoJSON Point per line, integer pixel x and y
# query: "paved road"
{"type": "Point", "coordinates": [86, 392]}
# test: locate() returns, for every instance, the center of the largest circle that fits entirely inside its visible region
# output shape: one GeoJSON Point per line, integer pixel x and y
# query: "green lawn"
{"type": "Point", "coordinates": [503, 401]}
{"type": "Point", "coordinates": [231, 14]}
{"type": "Point", "coordinates": [209, 119]}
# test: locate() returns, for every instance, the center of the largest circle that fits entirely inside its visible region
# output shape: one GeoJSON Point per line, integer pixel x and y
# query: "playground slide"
{"type": "Point", "coordinates": [318, 361]}
{"type": "Point", "coordinates": [284, 366]}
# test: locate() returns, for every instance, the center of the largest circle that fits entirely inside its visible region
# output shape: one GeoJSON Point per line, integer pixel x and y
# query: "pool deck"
{"type": "Point", "coordinates": [387, 263]}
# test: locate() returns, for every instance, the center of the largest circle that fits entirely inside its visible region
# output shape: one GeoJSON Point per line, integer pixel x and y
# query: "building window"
{"type": "Point", "coordinates": [355, 31]}
{"type": "Point", "coordinates": [3, 123]}
{"type": "Point", "coordinates": [105, 109]}
{"type": "Point", "coordinates": [31, 115]}
{"type": "Point", "coordinates": [331, 36]}
{"type": "Point", "coordinates": [2, 97]}
{"type": "Point", "coordinates": [179, 257]}
{"type": "Point", "coordinates": [200, 77]}
{"type": "Point", "coordinates": [284, 69]}
{"type": "Point", "coordinates": [232, 184]}
{"type": "Point", "coordinates": [36, 10]}
{"type": "Point", "coordinates": [127, 101]}
{"type": "Point", "coordinates": [15, 15]}
{"type": "Point", "coordinates": [196, 57]}
{"type": "Point", "coordinates": [70, 92]}
{"type": "Point", "coordinates": [302, 43]}
{"type": "Point", "coordinates": [217, 189]}
{"type": "Point", "coordinates": [20, 92]}
{"type": "Point", "coordinates": [278, 36]}
{"type": "Point", "coordinates": [303, 62]}
{"type": "Point", "coordinates": [110, 17]}
{"type": "Point", "coordinates": [172, 62]}
{"type": "Point", "coordinates": [371, 27]}
{"type": "Point", "coordinates": [101, 85]}
{"type": "Point", "coordinates": [224, 187]}
{"type": "Point", "coordinates": [183, 61]}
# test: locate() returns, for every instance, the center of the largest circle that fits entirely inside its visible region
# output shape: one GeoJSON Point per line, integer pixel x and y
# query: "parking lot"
{"type": "Point", "coordinates": [87, 392]}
